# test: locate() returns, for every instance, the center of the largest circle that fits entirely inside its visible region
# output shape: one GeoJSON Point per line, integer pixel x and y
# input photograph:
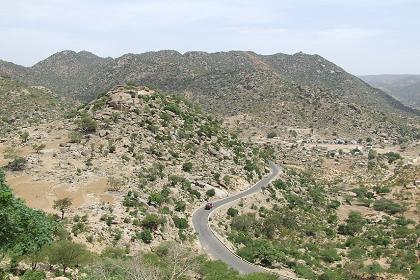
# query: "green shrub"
{"type": "Point", "coordinates": [33, 275]}
{"type": "Point", "coordinates": [279, 184]}
{"type": "Point", "coordinates": [388, 206]}
{"type": "Point", "coordinates": [271, 134]}
{"type": "Point", "coordinates": [211, 193]}
{"type": "Point", "coordinates": [334, 204]}
{"type": "Point", "coordinates": [86, 124]}
{"type": "Point", "coordinates": [244, 223]}
{"type": "Point", "coordinates": [156, 199]}
{"type": "Point", "coordinates": [146, 236]}
{"type": "Point", "coordinates": [331, 275]}
{"type": "Point", "coordinates": [113, 253]}
{"type": "Point", "coordinates": [78, 228]}
{"type": "Point", "coordinates": [354, 224]}
{"type": "Point", "coordinates": [187, 166]}
{"type": "Point", "coordinates": [67, 254]}
{"type": "Point", "coordinates": [38, 147]}
{"type": "Point", "coordinates": [392, 157]}
{"type": "Point", "coordinates": [131, 199]}
{"type": "Point", "coordinates": [151, 221]}
{"type": "Point", "coordinates": [382, 189]}
{"type": "Point", "coordinates": [17, 164]}
{"type": "Point", "coordinates": [374, 269]}
{"type": "Point", "coordinates": [180, 206]}
{"type": "Point", "coordinates": [174, 108]}
{"type": "Point", "coordinates": [356, 253]}
{"type": "Point", "coordinates": [227, 179]}
{"type": "Point", "coordinates": [75, 137]}
{"type": "Point", "coordinates": [180, 223]}
{"type": "Point", "coordinates": [24, 136]}
{"type": "Point", "coordinates": [232, 212]}
{"type": "Point", "coordinates": [330, 255]}
{"type": "Point", "coordinates": [304, 271]}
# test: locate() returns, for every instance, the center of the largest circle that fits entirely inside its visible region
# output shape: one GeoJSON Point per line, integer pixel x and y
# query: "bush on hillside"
{"type": "Point", "coordinates": [86, 124]}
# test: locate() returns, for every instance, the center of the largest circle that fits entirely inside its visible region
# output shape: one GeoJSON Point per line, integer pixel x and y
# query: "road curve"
{"type": "Point", "coordinates": [211, 244]}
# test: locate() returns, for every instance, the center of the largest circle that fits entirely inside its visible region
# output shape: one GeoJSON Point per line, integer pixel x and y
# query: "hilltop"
{"type": "Point", "coordinates": [130, 157]}
{"type": "Point", "coordinates": [254, 94]}
{"type": "Point", "coordinates": [405, 88]}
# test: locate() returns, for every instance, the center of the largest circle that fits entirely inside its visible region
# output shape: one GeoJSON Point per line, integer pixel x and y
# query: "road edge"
{"type": "Point", "coordinates": [285, 277]}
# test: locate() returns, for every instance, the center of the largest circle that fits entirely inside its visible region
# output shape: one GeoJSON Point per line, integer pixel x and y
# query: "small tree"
{"type": "Point", "coordinates": [24, 136]}
{"type": "Point", "coordinates": [38, 147]}
{"type": "Point", "coordinates": [86, 124]}
{"type": "Point", "coordinates": [211, 193]}
{"type": "Point", "coordinates": [62, 205]}
{"type": "Point", "coordinates": [67, 254]}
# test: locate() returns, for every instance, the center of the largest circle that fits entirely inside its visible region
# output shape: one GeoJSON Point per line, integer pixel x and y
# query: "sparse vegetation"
{"type": "Point", "coordinates": [271, 134]}
{"type": "Point", "coordinates": [86, 124]}
{"type": "Point", "coordinates": [162, 155]}
{"type": "Point", "coordinates": [310, 219]}
{"type": "Point", "coordinates": [62, 205]}
{"type": "Point", "coordinates": [17, 164]}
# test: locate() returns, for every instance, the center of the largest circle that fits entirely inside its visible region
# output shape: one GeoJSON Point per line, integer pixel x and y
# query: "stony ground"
{"type": "Point", "coordinates": [359, 175]}
{"type": "Point", "coordinates": [144, 154]}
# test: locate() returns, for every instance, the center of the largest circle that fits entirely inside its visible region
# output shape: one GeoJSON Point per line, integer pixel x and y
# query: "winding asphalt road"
{"type": "Point", "coordinates": [211, 244]}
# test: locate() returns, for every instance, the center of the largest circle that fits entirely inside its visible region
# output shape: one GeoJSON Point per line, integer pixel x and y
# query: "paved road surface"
{"type": "Point", "coordinates": [211, 243]}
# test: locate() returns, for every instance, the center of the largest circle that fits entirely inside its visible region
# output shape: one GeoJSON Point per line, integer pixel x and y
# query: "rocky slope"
{"type": "Point", "coordinates": [135, 164]}
{"type": "Point", "coordinates": [405, 88]}
{"type": "Point", "coordinates": [23, 105]}
{"type": "Point", "coordinates": [254, 93]}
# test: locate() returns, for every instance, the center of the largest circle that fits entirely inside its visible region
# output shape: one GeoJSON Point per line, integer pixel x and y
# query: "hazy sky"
{"type": "Point", "coordinates": [362, 36]}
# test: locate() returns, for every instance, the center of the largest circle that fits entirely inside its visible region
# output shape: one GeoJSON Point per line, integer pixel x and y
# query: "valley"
{"type": "Point", "coordinates": [121, 154]}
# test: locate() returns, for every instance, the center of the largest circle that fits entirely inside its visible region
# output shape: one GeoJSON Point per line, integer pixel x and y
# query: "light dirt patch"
{"type": "Point", "coordinates": [21, 151]}
{"type": "Point", "coordinates": [35, 194]}
{"type": "Point", "coordinates": [41, 194]}
{"type": "Point", "coordinates": [344, 211]}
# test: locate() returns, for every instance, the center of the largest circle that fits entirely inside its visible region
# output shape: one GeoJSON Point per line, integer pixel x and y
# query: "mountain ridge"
{"type": "Point", "coordinates": [230, 83]}
{"type": "Point", "coordinates": [405, 88]}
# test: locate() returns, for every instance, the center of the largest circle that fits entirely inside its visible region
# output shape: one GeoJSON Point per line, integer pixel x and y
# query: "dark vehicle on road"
{"type": "Point", "coordinates": [209, 206]}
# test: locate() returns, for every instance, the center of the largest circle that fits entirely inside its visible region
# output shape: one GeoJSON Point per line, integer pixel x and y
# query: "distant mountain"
{"type": "Point", "coordinates": [405, 88]}
{"type": "Point", "coordinates": [258, 93]}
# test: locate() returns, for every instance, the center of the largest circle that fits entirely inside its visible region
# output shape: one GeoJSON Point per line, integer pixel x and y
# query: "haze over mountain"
{"type": "Point", "coordinates": [260, 91]}
{"type": "Point", "coordinates": [405, 88]}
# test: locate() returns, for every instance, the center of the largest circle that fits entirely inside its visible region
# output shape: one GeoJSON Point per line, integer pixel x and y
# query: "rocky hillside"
{"type": "Point", "coordinates": [23, 105]}
{"type": "Point", "coordinates": [405, 88]}
{"type": "Point", "coordinates": [134, 163]}
{"type": "Point", "coordinates": [251, 91]}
